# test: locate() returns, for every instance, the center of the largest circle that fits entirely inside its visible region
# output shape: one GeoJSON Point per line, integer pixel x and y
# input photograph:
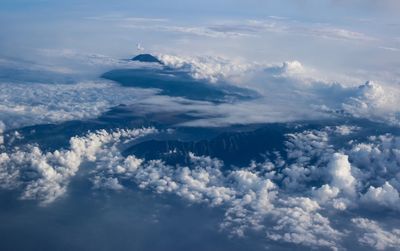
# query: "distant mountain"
{"type": "Point", "coordinates": [178, 83]}
{"type": "Point", "coordinates": [234, 148]}
{"type": "Point", "coordinates": [147, 58]}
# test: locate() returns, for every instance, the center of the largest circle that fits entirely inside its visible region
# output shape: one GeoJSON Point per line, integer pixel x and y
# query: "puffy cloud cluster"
{"type": "Point", "coordinates": [44, 176]}
{"type": "Point", "coordinates": [359, 173]}
{"type": "Point", "coordinates": [373, 101]}
{"type": "Point", "coordinates": [379, 160]}
{"type": "Point", "coordinates": [313, 159]}
{"type": "Point", "coordinates": [277, 198]}
{"type": "Point", "coordinates": [385, 195]}
{"type": "Point", "coordinates": [288, 92]}
{"type": "Point", "coordinates": [215, 68]}
{"type": "Point", "coordinates": [380, 156]}
{"type": "Point", "coordinates": [248, 196]}
{"type": "Point", "coordinates": [299, 88]}
{"type": "Point", "coordinates": [210, 68]}
{"type": "Point", "coordinates": [299, 222]}
{"type": "Point", "coordinates": [373, 235]}
{"type": "Point", "coordinates": [287, 198]}
{"type": "Point", "coordinates": [340, 171]}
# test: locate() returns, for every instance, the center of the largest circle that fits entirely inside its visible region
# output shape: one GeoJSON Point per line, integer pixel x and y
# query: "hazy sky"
{"type": "Point", "coordinates": [350, 37]}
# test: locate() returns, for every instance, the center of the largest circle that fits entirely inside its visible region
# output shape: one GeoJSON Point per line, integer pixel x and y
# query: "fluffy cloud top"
{"type": "Point", "coordinates": [340, 170]}
{"type": "Point", "coordinates": [45, 176]}
{"type": "Point", "coordinates": [375, 236]}
{"type": "Point", "coordinates": [293, 89]}
{"type": "Point", "coordinates": [275, 198]}
{"type": "Point", "coordinates": [386, 196]}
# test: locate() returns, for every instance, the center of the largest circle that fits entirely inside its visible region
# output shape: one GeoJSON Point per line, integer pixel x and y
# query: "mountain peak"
{"type": "Point", "coordinates": [147, 58]}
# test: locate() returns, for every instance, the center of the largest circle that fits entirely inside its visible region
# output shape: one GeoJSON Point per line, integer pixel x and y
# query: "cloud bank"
{"type": "Point", "coordinates": [277, 197]}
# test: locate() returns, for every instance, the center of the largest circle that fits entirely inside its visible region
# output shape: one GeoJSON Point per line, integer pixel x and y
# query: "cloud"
{"type": "Point", "coordinates": [44, 176]}
{"type": "Point", "coordinates": [286, 199]}
{"type": "Point", "coordinates": [340, 170]}
{"type": "Point", "coordinates": [379, 158]}
{"type": "Point", "coordinates": [276, 198]}
{"type": "Point", "coordinates": [287, 92]}
{"type": "Point", "coordinates": [216, 30]}
{"type": "Point", "coordinates": [249, 198]}
{"type": "Point", "coordinates": [325, 193]}
{"type": "Point", "coordinates": [287, 25]}
{"type": "Point", "coordinates": [299, 222]}
{"type": "Point", "coordinates": [347, 172]}
{"type": "Point", "coordinates": [374, 102]}
{"type": "Point", "coordinates": [386, 196]}
{"type": "Point", "coordinates": [375, 236]}
{"type": "Point", "coordinates": [210, 68]}
{"type": "Point", "coordinates": [33, 103]}
{"type": "Point", "coordinates": [392, 49]}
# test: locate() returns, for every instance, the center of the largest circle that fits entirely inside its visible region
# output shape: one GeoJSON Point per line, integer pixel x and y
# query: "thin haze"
{"type": "Point", "coordinates": [349, 37]}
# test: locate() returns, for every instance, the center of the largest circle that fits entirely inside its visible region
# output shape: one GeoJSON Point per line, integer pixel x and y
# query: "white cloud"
{"type": "Point", "coordinates": [340, 170]}
{"type": "Point", "coordinates": [254, 198]}
{"type": "Point", "coordinates": [106, 183]}
{"type": "Point", "coordinates": [373, 101]}
{"type": "Point", "coordinates": [326, 193]}
{"type": "Point", "coordinates": [210, 68]}
{"type": "Point", "coordinates": [379, 160]}
{"type": "Point", "coordinates": [375, 236]}
{"type": "Point", "coordinates": [250, 199]}
{"type": "Point", "coordinates": [32, 103]}
{"type": "Point", "coordinates": [284, 25]}
{"type": "Point", "coordinates": [44, 176]}
{"type": "Point", "coordinates": [288, 92]}
{"type": "Point", "coordinates": [275, 198]}
{"type": "Point", "coordinates": [345, 129]}
{"type": "Point", "coordinates": [299, 222]}
{"type": "Point", "coordinates": [386, 196]}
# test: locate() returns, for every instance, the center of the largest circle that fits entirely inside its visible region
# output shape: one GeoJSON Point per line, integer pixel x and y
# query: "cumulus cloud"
{"type": "Point", "coordinates": [211, 68]}
{"type": "Point", "coordinates": [348, 173]}
{"type": "Point", "coordinates": [44, 176]}
{"type": "Point", "coordinates": [287, 199]}
{"type": "Point", "coordinates": [374, 102]}
{"type": "Point", "coordinates": [375, 236]}
{"type": "Point", "coordinates": [340, 170]}
{"type": "Point", "coordinates": [291, 89]}
{"type": "Point", "coordinates": [250, 198]}
{"type": "Point", "coordinates": [325, 193]}
{"type": "Point", "coordinates": [299, 222]}
{"type": "Point", "coordinates": [275, 198]}
{"type": "Point", "coordinates": [288, 92]}
{"type": "Point", "coordinates": [386, 196]}
{"type": "Point", "coordinates": [379, 158]}
{"type": "Point", "coordinates": [345, 129]}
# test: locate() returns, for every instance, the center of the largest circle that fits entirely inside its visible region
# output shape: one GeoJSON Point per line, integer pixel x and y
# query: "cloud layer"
{"type": "Point", "coordinates": [278, 198]}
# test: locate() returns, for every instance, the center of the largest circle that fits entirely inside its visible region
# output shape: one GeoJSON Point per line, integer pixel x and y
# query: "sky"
{"type": "Point", "coordinates": [350, 37]}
